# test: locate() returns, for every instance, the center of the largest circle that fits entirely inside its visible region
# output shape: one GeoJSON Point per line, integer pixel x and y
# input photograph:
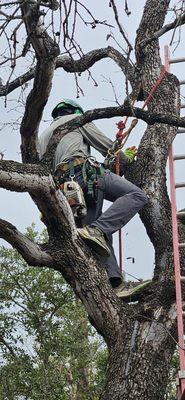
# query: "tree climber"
{"type": "Point", "coordinates": [73, 164]}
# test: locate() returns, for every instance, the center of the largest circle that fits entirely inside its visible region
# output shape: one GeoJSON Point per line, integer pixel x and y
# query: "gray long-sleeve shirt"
{"type": "Point", "coordinates": [75, 143]}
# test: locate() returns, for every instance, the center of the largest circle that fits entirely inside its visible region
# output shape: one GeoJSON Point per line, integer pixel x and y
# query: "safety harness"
{"type": "Point", "coordinates": [66, 176]}
{"type": "Point", "coordinates": [92, 171]}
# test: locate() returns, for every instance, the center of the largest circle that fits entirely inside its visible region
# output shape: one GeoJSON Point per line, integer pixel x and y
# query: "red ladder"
{"type": "Point", "coordinates": [176, 250]}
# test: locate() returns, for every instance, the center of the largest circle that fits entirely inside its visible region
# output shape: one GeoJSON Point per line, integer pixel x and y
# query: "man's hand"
{"type": "Point", "coordinates": [131, 153]}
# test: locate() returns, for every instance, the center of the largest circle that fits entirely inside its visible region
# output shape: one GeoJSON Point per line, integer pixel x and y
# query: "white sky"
{"type": "Point", "coordinates": [18, 208]}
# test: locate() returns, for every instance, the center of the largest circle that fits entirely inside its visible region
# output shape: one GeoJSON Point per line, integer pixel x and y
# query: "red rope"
{"type": "Point", "coordinates": [119, 232]}
{"type": "Point", "coordinates": [157, 83]}
{"type": "Point", "coordinates": [121, 135]}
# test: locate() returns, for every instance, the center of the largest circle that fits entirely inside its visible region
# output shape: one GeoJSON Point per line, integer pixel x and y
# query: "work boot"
{"type": "Point", "coordinates": [96, 240]}
{"type": "Point", "coordinates": [131, 293]}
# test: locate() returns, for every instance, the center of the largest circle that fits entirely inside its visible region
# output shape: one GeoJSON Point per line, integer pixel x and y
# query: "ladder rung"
{"type": "Point", "coordinates": [180, 185]}
{"type": "Point", "coordinates": [180, 214]}
{"type": "Point", "coordinates": [179, 157]}
{"type": "Point", "coordinates": [176, 60]}
{"type": "Point", "coordinates": [182, 106]}
{"type": "Point", "coordinates": [181, 82]}
{"type": "Point", "coordinates": [182, 245]}
{"type": "Point", "coordinates": [181, 375]}
{"type": "Point", "coordinates": [181, 131]}
{"type": "Point", "coordinates": [182, 278]}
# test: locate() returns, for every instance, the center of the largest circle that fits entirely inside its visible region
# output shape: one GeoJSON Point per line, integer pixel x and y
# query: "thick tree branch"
{"type": "Point", "coordinates": [44, 46]}
{"type": "Point", "coordinates": [109, 112]}
{"type": "Point", "coordinates": [89, 59]}
{"type": "Point", "coordinates": [38, 182]}
{"type": "Point", "coordinates": [168, 27]}
{"type": "Point", "coordinates": [16, 83]}
{"type": "Point", "coordinates": [19, 177]}
{"type": "Point", "coordinates": [30, 251]}
{"type": "Point", "coordinates": [52, 4]}
{"type": "Point", "coordinates": [81, 65]}
{"type": "Point", "coordinates": [152, 20]}
{"type": "Point", "coordinates": [153, 17]}
{"type": "Point", "coordinates": [46, 52]}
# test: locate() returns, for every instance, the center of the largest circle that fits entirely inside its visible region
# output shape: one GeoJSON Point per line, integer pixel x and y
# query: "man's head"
{"type": "Point", "coordinates": [65, 107]}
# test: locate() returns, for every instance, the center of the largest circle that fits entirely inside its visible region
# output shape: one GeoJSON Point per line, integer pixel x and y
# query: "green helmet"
{"type": "Point", "coordinates": [67, 102]}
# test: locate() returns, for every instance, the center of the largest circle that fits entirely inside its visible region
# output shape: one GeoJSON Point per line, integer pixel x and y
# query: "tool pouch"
{"type": "Point", "coordinates": [75, 198]}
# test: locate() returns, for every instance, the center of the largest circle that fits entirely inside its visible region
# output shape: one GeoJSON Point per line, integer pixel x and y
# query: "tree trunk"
{"type": "Point", "coordinates": [138, 364]}
{"type": "Point", "coordinates": [140, 360]}
{"type": "Point", "coordinates": [141, 336]}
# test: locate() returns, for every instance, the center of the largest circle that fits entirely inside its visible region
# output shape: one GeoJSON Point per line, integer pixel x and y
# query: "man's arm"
{"type": "Point", "coordinates": [100, 142]}
{"type": "Point", "coordinates": [95, 138]}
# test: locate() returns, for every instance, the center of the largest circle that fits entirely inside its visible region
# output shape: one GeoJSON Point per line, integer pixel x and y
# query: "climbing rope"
{"type": "Point", "coordinates": [122, 137]}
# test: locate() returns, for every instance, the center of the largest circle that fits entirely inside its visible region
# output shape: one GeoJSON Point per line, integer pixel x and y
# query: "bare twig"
{"type": "Point", "coordinates": [113, 5]}
{"type": "Point", "coordinates": [128, 12]}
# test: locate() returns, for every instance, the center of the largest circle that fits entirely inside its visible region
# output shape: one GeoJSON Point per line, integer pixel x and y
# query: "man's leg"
{"type": "Point", "coordinates": [111, 265]}
{"type": "Point", "coordinates": [127, 200]}
{"type": "Point", "coordinates": [94, 210]}
{"type": "Point", "coordinates": [113, 272]}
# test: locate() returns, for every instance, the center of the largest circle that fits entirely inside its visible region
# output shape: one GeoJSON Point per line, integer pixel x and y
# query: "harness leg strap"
{"type": "Point", "coordinates": [100, 198]}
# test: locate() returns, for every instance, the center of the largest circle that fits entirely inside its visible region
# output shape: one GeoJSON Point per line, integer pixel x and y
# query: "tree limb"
{"type": "Point", "coordinates": [177, 22]}
{"type": "Point", "coordinates": [46, 51]}
{"type": "Point", "coordinates": [52, 4]}
{"type": "Point", "coordinates": [30, 251]}
{"type": "Point", "coordinates": [38, 182]}
{"type": "Point", "coordinates": [81, 65]}
{"type": "Point", "coordinates": [19, 177]}
{"type": "Point", "coordinates": [109, 112]}
{"type": "Point", "coordinates": [152, 20]}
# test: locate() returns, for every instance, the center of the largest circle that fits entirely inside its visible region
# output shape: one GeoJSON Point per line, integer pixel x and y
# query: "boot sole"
{"type": "Point", "coordinates": [95, 245]}
{"type": "Point", "coordinates": [131, 293]}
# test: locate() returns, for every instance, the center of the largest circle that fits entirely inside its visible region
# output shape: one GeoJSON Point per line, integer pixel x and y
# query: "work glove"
{"type": "Point", "coordinates": [131, 153]}
{"type": "Point", "coordinates": [126, 157]}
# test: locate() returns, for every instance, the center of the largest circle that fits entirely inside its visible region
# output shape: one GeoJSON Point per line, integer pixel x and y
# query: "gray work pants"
{"type": "Point", "coordinates": [127, 200]}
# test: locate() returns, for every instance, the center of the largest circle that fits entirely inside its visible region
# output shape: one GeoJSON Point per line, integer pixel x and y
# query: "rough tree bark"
{"type": "Point", "coordinates": [140, 336]}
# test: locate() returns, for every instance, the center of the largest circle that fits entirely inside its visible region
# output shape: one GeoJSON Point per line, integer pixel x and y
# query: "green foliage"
{"type": "Point", "coordinates": [49, 350]}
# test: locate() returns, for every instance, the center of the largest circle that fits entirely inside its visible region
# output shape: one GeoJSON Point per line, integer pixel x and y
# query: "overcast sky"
{"type": "Point", "coordinates": [18, 208]}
